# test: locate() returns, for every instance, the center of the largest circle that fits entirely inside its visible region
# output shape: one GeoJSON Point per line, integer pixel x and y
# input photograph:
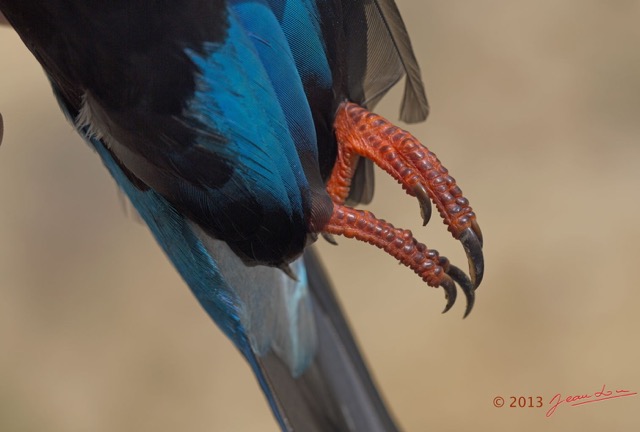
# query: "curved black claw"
{"type": "Point", "coordinates": [286, 268]}
{"type": "Point", "coordinates": [424, 201]}
{"type": "Point", "coordinates": [450, 292]}
{"type": "Point", "coordinates": [476, 229]}
{"type": "Point", "coordinates": [329, 238]}
{"type": "Point", "coordinates": [465, 284]}
{"type": "Point", "coordinates": [473, 248]}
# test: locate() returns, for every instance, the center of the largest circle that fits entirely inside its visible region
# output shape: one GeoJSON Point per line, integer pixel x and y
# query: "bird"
{"type": "Point", "coordinates": [242, 132]}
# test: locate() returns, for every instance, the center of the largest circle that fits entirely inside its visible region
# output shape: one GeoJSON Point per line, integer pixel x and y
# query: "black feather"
{"type": "Point", "coordinates": [337, 392]}
{"type": "Point", "coordinates": [369, 51]}
{"type": "Point", "coordinates": [415, 106]}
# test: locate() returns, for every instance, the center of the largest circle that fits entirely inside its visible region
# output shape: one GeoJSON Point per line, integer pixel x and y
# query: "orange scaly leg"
{"type": "Point", "coordinates": [361, 133]}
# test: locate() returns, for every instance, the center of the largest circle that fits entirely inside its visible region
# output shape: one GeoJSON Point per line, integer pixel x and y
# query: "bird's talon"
{"type": "Point", "coordinates": [424, 201]}
{"type": "Point", "coordinates": [476, 229]}
{"type": "Point", "coordinates": [465, 284]}
{"type": "Point", "coordinates": [286, 268]}
{"type": "Point", "coordinates": [450, 292]}
{"type": "Point", "coordinates": [329, 238]}
{"type": "Point", "coordinates": [473, 248]}
{"type": "Point", "coordinates": [360, 133]}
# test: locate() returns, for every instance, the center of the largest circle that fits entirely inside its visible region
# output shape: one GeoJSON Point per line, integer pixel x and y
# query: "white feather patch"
{"type": "Point", "coordinates": [275, 310]}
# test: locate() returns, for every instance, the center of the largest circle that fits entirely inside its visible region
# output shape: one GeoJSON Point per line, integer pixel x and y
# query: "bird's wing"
{"type": "Point", "coordinates": [248, 114]}
{"type": "Point", "coordinates": [209, 130]}
{"type": "Point", "coordinates": [200, 101]}
{"type": "Point", "coordinates": [293, 333]}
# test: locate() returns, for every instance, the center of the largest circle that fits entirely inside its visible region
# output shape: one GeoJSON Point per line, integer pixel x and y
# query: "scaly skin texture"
{"type": "Point", "coordinates": [399, 243]}
{"type": "Point", "coordinates": [361, 133]}
{"type": "Point", "coordinates": [401, 155]}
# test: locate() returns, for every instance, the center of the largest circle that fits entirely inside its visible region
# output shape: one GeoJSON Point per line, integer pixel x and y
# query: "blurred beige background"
{"type": "Point", "coordinates": [535, 110]}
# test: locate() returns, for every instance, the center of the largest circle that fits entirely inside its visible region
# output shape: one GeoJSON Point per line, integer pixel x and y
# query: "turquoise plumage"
{"type": "Point", "coordinates": [216, 119]}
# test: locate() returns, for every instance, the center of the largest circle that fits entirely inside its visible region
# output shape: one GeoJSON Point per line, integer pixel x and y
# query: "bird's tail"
{"type": "Point", "coordinates": [336, 392]}
{"type": "Point", "coordinates": [293, 333]}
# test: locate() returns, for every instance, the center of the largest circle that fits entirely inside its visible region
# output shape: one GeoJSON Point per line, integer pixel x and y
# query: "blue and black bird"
{"type": "Point", "coordinates": [240, 130]}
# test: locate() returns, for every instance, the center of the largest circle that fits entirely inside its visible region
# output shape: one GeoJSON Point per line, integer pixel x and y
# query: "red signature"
{"type": "Point", "coordinates": [576, 400]}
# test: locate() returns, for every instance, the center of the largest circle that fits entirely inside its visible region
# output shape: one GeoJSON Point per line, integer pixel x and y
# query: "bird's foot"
{"type": "Point", "coordinates": [361, 133]}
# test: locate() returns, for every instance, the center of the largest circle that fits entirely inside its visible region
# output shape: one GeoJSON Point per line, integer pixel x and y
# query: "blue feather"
{"type": "Point", "coordinates": [215, 118]}
{"type": "Point", "coordinates": [196, 266]}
